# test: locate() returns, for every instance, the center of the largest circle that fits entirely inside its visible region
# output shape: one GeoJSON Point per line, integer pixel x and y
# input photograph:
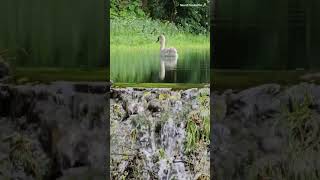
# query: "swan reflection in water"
{"type": "Point", "coordinates": [167, 63]}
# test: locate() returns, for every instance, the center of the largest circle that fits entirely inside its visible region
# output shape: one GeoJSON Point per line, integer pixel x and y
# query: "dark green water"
{"type": "Point", "coordinates": [54, 33]}
{"type": "Point", "coordinates": [146, 66]}
{"type": "Point", "coordinates": [271, 34]}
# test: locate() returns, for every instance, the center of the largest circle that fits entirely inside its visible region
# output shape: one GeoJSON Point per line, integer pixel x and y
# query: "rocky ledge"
{"type": "Point", "coordinates": [160, 134]}
{"type": "Point", "coordinates": [4, 70]}
{"type": "Point", "coordinates": [53, 131]}
{"type": "Point", "coordinates": [266, 132]}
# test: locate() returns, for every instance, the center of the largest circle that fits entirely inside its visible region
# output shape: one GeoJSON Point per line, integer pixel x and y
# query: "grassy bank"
{"type": "Point", "coordinates": [137, 32]}
{"type": "Point", "coordinates": [45, 75]}
{"type": "Point", "coordinates": [174, 86]}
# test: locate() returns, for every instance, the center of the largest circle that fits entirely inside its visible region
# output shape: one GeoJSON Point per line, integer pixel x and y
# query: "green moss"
{"type": "Point", "coordinates": [173, 86]}
{"type": "Point", "coordinates": [161, 153]}
{"type": "Point", "coordinates": [203, 101]}
{"type": "Point", "coordinates": [133, 135]}
{"type": "Point", "coordinates": [117, 109]}
{"type": "Point", "coordinates": [163, 96]}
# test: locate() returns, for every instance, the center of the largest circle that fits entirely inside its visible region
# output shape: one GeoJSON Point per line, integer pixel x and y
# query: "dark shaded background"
{"type": "Point", "coordinates": [272, 34]}
{"type": "Point", "coordinates": [54, 33]}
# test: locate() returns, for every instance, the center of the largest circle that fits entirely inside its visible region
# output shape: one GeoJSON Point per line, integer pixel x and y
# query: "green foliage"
{"type": "Point", "coordinates": [126, 9]}
{"type": "Point", "coordinates": [198, 130]}
{"type": "Point", "coordinates": [193, 135]}
{"type": "Point", "coordinates": [189, 19]}
{"type": "Point", "coordinates": [161, 153]}
{"type": "Point", "coordinates": [133, 135]}
{"type": "Point", "coordinates": [163, 96]}
{"type": "Point", "coordinates": [206, 129]}
{"type": "Point", "coordinates": [203, 101]}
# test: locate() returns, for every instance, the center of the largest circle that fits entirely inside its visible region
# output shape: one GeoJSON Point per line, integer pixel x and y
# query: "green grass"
{"type": "Point", "coordinates": [174, 86]}
{"type": "Point", "coordinates": [142, 32]}
{"type": "Point", "coordinates": [133, 39]}
{"type": "Point", "coordinates": [242, 79]}
{"type": "Point", "coordinates": [198, 125]}
{"type": "Point", "coordinates": [45, 75]}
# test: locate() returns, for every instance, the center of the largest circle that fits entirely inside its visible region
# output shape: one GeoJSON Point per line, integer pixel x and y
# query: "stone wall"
{"type": "Point", "coordinates": [53, 131]}
{"type": "Point", "coordinates": [266, 132]}
{"type": "Point", "coordinates": [160, 134]}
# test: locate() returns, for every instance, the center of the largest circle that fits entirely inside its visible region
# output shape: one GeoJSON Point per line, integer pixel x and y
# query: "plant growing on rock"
{"type": "Point", "coordinates": [161, 153]}
{"type": "Point", "coordinates": [198, 130]}
{"type": "Point", "coordinates": [303, 127]}
{"type": "Point", "coordinates": [163, 96]}
{"type": "Point", "coordinates": [21, 154]}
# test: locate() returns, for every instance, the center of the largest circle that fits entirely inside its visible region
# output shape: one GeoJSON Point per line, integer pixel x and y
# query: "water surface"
{"type": "Point", "coordinates": [143, 65]}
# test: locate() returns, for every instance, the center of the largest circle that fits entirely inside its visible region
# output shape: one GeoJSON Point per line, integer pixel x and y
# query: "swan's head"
{"type": "Point", "coordinates": [161, 39]}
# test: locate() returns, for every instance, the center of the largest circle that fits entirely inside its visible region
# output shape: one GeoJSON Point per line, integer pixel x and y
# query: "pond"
{"type": "Point", "coordinates": [143, 65]}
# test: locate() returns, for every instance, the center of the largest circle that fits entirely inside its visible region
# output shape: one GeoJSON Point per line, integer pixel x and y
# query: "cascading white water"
{"type": "Point", "coordinates": [171, 164]}
{"type": "Point", "coordinates": [153, 137]}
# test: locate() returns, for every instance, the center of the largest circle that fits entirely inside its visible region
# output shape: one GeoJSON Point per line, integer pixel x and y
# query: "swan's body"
{"type": "Point", "coordinates": [167, 52]}
{"type": "Point", "coordinates": [167, 63]}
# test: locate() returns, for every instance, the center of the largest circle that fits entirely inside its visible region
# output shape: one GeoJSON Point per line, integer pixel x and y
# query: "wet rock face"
{"type": "Point", "coordinates": [4, 69]}
{"type": "Point", "coordinates": [56, 129]}
{"type": "Point", "coordinates": [149, 133]}
{"type": "Point", "coordinates": [256, 131]}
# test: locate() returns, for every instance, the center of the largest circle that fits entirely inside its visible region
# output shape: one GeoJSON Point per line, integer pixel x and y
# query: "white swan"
{"type": "Point", "coordinates": [171, 52]}
{"type": "Point", "coordinates": [167, 63]}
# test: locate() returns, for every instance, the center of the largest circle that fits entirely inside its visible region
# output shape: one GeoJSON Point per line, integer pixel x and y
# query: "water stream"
{"type": "Point", "coordinates": [149, 135]}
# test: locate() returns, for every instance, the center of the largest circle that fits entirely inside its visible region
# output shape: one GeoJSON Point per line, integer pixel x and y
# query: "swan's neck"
{"type": "Point", "coordinates": [162, 45]}
{"type": "Point", "coordinates": [162, 70]}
